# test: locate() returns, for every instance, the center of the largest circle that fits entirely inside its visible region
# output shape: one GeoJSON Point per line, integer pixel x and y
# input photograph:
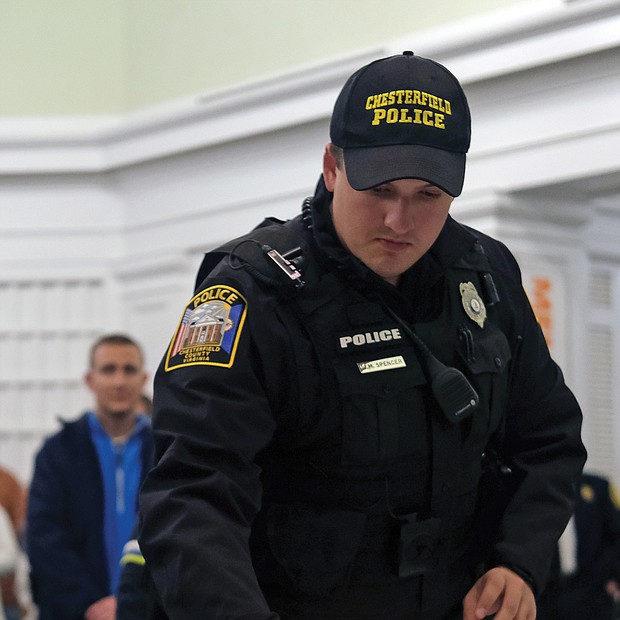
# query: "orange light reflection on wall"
{"type": "Point", "coordinates": [542, 304]}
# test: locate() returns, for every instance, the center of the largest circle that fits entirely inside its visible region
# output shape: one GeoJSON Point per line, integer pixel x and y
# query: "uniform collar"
{"type": "Point", "coordinates": [453, 243]}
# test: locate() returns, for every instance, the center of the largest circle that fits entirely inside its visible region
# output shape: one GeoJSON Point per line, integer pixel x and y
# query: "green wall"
{"type": "Point", "coordinates": [83, 57]}
{"type": "Point", "coordinates": [62, 57]}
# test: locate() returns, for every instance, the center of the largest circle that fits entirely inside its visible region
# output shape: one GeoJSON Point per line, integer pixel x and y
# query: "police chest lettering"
{"type": "Point", "coordinates": [357, 340]}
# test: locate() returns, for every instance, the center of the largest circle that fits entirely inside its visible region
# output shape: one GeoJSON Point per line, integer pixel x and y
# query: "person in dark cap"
{"type": "Point", "coordinates": [357, 415]}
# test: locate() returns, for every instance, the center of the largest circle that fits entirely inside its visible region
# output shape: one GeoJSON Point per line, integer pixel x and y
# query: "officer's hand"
{"type": "Point", "coordinates": [612, 588]}
{"type": "Point", "coordinates": [501, 592]}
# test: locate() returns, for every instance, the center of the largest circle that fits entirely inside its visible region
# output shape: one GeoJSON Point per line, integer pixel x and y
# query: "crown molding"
{"type": "Point", "coordinates": [520, 37]}
{"type": "Point", "coordinates": [51, 145]}
{"type": "Point", "coordinates": [526, 35]}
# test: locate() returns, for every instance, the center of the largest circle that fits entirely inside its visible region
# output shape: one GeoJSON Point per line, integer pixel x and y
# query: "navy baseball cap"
{"type": "Point", "coordinates": [403, 117]}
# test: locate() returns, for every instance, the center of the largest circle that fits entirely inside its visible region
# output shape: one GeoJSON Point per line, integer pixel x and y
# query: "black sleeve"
{"type": "Point", "coordinates": [199, 501]}
{"type": "Point", "coordinates": [132, 594]}
{"type": "Point", "coordinates": [542, 444]}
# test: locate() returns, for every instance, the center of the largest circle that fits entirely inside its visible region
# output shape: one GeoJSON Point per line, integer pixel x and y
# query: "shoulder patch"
{"type": "Point", "coordinates": [209, 330]}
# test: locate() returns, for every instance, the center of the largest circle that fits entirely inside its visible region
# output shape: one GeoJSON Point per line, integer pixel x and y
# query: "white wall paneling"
{"type": "Point", "coordinates": [46, 330]}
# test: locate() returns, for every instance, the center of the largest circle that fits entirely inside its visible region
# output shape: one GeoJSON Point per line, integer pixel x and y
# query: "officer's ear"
{"type": "Point", "coordinates": [330, 168]}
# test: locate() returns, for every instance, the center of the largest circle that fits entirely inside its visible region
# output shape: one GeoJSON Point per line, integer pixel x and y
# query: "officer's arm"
{"type": "Point", "coordinates": [199, 502]}
{"type": "Point", "coordinates": [542, 447]}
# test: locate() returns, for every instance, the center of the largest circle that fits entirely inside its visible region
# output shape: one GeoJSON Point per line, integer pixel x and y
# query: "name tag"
{"type": "Point", "coordinates": [386, 363]}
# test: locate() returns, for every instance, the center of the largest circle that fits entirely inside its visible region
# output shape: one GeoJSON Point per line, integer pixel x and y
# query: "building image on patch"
{"type": "Point", "coordinates": [209, 329]}
{"type": "Point", "coordinates": [207, 325]}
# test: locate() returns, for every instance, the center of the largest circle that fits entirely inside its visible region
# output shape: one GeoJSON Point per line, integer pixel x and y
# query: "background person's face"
{"type": "Point", "coordinates": [116, 379]}
{"type": "Point", "coordinates": [388, 227]}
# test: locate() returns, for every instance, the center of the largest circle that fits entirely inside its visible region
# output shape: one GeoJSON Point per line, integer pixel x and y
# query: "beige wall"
{"type": "Point", "coordinates": [84, 57]}
{"type": "Point", "coordinates": [62, 57]}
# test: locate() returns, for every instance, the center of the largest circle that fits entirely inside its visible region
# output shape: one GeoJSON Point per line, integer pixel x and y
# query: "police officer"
{"type": "Point", "coordinates": [357, 416]}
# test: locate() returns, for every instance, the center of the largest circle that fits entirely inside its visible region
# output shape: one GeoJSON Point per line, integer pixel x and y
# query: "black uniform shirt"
{"type": "Point", "coordinates": [221, 409]}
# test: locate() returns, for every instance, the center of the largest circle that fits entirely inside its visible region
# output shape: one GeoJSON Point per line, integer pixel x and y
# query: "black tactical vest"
{"type": "Point", "coordinates": [372, 482]}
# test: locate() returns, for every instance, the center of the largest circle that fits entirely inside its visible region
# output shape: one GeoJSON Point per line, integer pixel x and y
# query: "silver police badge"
{"type": "Point", "coordinates": [472, 303]}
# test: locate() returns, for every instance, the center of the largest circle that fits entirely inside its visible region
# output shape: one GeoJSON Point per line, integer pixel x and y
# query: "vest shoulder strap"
{"type": "Point", "coordinates": [271, 252]}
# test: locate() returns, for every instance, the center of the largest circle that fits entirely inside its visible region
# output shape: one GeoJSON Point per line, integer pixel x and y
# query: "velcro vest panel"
{"type": "Point", "coordinates": [381, 386]}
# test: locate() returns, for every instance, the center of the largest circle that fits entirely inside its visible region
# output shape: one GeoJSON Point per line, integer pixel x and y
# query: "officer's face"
{"type": "Point", "coordinates": [388, 227]}
{"type": "Point", "coordinates": [116, 379]}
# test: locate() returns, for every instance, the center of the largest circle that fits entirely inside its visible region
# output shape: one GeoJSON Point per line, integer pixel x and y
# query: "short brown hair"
{"type": "Point", "coordinates": [337, 154]}
{"type": "Point", "coordinates": [114, 339]}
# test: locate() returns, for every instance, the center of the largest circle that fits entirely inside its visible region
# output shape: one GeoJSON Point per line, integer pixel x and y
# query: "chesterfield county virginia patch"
{"type": "Point", "coordinates": [209, 331]}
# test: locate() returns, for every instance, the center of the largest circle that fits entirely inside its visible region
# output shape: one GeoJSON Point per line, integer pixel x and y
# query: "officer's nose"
{"type": "Point", "coordinates": [399, 217]}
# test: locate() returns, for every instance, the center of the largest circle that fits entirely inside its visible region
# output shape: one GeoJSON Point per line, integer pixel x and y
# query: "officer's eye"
{"type": "Point", "coordinates": [380, 189]}
{"type": "Point", "coordinates": [431, 194]}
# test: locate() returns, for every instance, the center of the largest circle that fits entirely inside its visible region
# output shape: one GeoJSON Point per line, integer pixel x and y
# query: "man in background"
{"type": "Point", "coordinates": [83, 497]}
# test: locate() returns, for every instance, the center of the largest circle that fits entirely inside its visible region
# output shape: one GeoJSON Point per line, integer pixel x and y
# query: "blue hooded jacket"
{"type": "Point", "coordinates": [65, 524]}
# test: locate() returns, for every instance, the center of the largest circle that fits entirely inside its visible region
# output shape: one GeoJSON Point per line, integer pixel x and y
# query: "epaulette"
{"type": "Point", "coordinates": [270, 252]}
